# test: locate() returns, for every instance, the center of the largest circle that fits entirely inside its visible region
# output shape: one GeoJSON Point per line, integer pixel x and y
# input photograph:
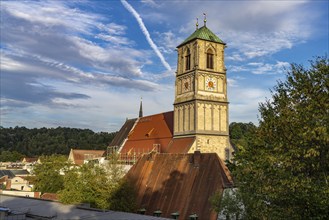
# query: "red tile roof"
{"type": "Point", "coordinates": [50, 196]}
{"type": "Point", "coordinates": [78, 156]}
{"type": "Point", "coordinates": [179, 183]}
{"type": "Point", "coordinates": [149, 133]}
{"type": "Point", "coordinates": [29, 159]}
{"type": "Point", "coordinates": [179, 145]}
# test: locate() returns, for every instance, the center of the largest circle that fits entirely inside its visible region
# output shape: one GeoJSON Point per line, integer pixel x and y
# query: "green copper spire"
{"type": "Point", "coordinates": [202, 33]}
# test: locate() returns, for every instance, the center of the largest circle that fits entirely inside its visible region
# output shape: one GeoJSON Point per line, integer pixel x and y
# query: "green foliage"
{"type": "Point", "coordinates": [10, 156]}
{"type": "Point", "coordinates": [284, 174]}
{"type": "Point", "coordinates": [241, 134]}
{"type": "Point", "coordinates": [101, 187]}
{"type": "Point", "coordinates": [49, 173]}
{"type": "Point", "coordinates": [48, 141]}
{"type": "Point", "coordinates": [86, 184]}
{"type": "Point", "coordinates": [228, 203]}
{"type": "Point", "coordinates": [123, 198]}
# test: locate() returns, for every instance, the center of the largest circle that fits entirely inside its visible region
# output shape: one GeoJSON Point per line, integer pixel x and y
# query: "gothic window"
{"type": "Point", "coordinates": [210, 59]}
{"type": "Point", "coordinates": [188, 60]}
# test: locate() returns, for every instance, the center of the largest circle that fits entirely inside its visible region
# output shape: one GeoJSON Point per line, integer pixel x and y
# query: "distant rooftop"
{"type": "Point", "coordinates": [13, 173]}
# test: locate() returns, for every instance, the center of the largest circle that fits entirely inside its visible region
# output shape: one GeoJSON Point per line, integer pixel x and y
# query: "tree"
{"type": "Point", "coordinates": [241, 133]}
{"type": "Point", "coordinates": [49, 173]}
{"type": "Point", "coordinates": [48, 141]}
{"type": "Point", "coordinates": [228, 203]}
{"type": "Point", "coordinates": [86, 184]}
{"type": "Point", "coordinates": [284, 172]}
{"type": "Point", "coordinates": [100, 186]}
{"type": "Point", "coordinates": [10, 156]}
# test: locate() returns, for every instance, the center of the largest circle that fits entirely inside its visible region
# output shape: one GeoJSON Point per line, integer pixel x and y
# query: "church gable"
{"type": "Point", "coordinates": [151, 133]}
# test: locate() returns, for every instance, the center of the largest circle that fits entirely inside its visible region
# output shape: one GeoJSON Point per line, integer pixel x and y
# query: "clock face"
{"type": "Point", "coordinates": [210, 84]}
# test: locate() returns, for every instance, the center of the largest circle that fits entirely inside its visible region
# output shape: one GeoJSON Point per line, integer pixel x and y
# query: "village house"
{"type": "Point", "coordinates": [79, 157]}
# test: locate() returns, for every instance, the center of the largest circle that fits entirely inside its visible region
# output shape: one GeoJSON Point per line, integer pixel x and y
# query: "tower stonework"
{"type": "Point", "coordinates": [201, 103]}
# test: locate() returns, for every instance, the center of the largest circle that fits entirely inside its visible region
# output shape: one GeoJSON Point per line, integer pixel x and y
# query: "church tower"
{"type": "Point", "coordinates": [201, 103]}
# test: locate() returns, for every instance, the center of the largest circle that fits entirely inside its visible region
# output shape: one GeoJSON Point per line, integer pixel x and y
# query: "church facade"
{"type": "Point", "coordinates": [199, 121]}
{"type": "Point", "coordinates": [201, 105]}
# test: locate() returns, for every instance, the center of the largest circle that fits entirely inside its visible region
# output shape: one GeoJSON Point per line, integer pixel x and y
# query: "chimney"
{"type": "Point", "coordinates": [196, 158]}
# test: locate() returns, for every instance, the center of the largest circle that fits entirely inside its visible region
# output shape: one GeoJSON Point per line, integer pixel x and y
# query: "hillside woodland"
{"type": "Point", "coordinates": [15, 143]}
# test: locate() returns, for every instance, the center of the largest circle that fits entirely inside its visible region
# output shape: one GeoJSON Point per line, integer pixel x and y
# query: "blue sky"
{"type": "Point", "coordinates": [86, 64]}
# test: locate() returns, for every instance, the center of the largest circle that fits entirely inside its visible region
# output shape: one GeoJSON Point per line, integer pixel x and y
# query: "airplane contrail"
{"type": "Point", "coordinates": [146, 33]}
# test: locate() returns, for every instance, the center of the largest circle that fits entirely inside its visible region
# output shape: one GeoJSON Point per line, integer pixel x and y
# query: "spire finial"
{"type": "Point", "coordinates": [197, 23]}
{"type": "Point", "coordinates": [141, 109]}
{"type": "Point", "coordinates": [205, 18]}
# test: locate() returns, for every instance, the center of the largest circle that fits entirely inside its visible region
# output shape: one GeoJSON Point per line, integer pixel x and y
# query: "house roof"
{"type": "Point", "coordinates": [13, 173]}
{"type": "Point", "coordinates": [78, 156]}
{"type": "Point", "coordinates": [50, 196]}
{"type": "Point", "coordinates": [123, 132]}
{"type": "Point", "coordinates": [29, 159]}
{"type": "Point", "coordinates": [45, 209]}
{"type": "Point", "coordinates": [180, 183]}
{"type": "Point", "coordinates": [150, 132]}
{"type": "Point", "coordinates": [179, 145]}
{"type": "Point", "coordinates": [202, 33]}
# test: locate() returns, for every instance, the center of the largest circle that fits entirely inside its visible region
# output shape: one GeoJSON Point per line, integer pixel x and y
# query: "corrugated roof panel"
{"type": "Point", "coordinates": [179, 183]}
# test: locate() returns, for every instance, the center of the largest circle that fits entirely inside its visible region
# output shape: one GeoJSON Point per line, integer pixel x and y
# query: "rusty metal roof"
{"type": "Point", "coordinates": [180, 183]}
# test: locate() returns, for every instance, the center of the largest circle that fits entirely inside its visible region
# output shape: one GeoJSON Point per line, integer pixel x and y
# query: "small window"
{"type": "Point", "coordinates": [210, 59]}
{"type": "Point", "coordinates": [227, 154]}
{"type": "Point", "coordinates": [188, 60]}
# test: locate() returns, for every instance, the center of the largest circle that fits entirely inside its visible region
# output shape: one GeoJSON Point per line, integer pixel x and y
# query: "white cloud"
{"type": "Point", "coordinates": [168, 41]}
{"type": "Point", "coordinates": [146, 33]}
{"type": "Point", "coordinates": [150, 3]}
{"type": "Point", "coordinates": [261, 68]}
{"type": "Point", "coordinates": [244, 102]}
{"type": "Point", "coordinates": [251, 29]}
{"type": "Point", "coordinates": [113, 28]}
{"type": "Point", "coordinates": [47, 13]}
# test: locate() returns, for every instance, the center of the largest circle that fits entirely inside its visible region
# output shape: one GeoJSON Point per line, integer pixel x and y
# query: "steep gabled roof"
{"type": "Point", "coordinates": [150, 132]}
{"type": "Point", "coordinates": [202, 33]}
{"type": "Point", "coordinates": [123, 132]}
{"type": "Point", "coordinates": [180, 183]}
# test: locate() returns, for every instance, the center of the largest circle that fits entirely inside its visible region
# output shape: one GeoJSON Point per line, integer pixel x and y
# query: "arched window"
{"type": "Point", "coordinates": [210, 59]}
{"type": "Point", "coordinates": [188, 60]}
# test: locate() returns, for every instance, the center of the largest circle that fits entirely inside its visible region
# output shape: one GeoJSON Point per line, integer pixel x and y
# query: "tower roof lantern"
{"type": "Point", "coordinates": [202, 33]}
